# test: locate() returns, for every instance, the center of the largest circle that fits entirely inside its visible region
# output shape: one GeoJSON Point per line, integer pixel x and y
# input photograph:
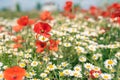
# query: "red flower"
{"type": "Point", "coordinates": [17, 28]}
{"type": "Point", "coordinates": [31, 21]}
{"type": "Point", "coordinates": [68, 6]}
{"type": "Point", "coordinates": [93, 10]}
{"type": "Point", "coordinates": [40, 46]}
{"type": "Point", "coordinates": [94, 71]}
{"type": "Point", "coordinates": [14, 73]}
{"type": "Point", "coordinates": [17, 45]}
{"type": "Point", "coordinates": [23, 21]}
{"type": "Point", "coordinates": [71, 16]}
{"type": "Point", "coordinates": [18, 39]}
{"type": "Point", "coordinates": [105, 13]}
{"type": "Point", "coordinates": [45, 15]}
{"type": "Point", "coordinates": [116, 13]}
{"type": "Point", "coordinates": [42, 28]}
{"type": "Point", "coordinates": [53, 45]}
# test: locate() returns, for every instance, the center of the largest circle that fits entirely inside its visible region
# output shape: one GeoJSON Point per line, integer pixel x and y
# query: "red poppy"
{"type": "Point", "coordinates": [18, 39]}
{"type": "Point", "coordinates": [53, 45]}
{"type": "Point", "coordinates": [46, 15]}
{"type": "Point", "coordinates": [23, 21]}
{"type": "Point", "coordinates": [42, 29]}
{"type": "Point", "coordinates": [68, 6]}
{"type": "Point", "coordinates": [17, 45]}
{"type": "Point", "coordinates": [40, 46]}
{"type": "Point", "coordinates": [14, 73]}
{"type": "Point", "coordinates": [116, 13]}
{"type": "Point", "coordinates": [17, 28]}
{"type": "Point", "coordinates": [93, 10]}
{"type": "Point", "coordinates": [105, 13]}
{"type": "Point", "coordinates": [94, 71]}
{"type": "Point", "coordinates": [71, 16]}
{"type": "Point", "coordinates": [31, 21]}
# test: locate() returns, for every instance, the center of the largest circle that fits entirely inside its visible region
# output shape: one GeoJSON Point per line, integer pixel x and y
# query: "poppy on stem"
{"type": "Point", "coordinates": [42, 29]}
{"type": "Point", "coordinates": [14, 73]}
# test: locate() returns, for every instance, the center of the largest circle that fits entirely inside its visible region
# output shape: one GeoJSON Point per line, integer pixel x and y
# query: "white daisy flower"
{"type": "Point", "coordinates": [43, 75]}
{"type": "Point", "coordinates": [106, 76]}
{"type": "Point", "coordinates": [34, 63]}
{"type": "Point", "coordinates": [88, 66]}
{"type": "Point", "coordinates": [82, 59]}
{"type": "Point", "coordinates": [43, 38]}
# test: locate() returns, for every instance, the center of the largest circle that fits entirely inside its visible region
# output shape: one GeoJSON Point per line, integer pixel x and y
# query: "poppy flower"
{"type": "Point", "coordinates": [42, 29]}
{"type": "Point", "coordinates": [105, 13]}
{"type": "Point", "coordinates": [23, 21]}
{"type": "Point", "coordinates": [45, 15]}
{"type": "Point", "coordinates": [53, 45]}
{"type": "Point", "coordinates": [17, 45]}
{"type": "Point", "coordinates": [17, 28]}
{"type": "Point", "coordinates": [71, 16]}
{"type": "Point", "coordinates": [14, 73]}
{"type": "Point", "coordinates": [18, 39]}
{"type": "Point", "coordinates": [93, 10]}
{"type": "Point", "coordinates": [68, 6]}
{"type": "Point", "coordinates": [94, 71]}
{"type": "Point", "coordinates": [31, 21]}
{"type": "Point", "coordinates": [116, 13]}
{"type": "Point", "coordinates": [40, 46]}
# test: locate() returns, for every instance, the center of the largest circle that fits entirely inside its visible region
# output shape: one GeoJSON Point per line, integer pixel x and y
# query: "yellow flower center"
{"type": "Point", "coordinates": [110, 62]}
{"type": "Point", "coordinates": [105, 77]}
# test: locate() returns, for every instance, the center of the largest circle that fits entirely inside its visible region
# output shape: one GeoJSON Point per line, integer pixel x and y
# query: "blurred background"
{"type": "Point", "coordinates": [34, 6]}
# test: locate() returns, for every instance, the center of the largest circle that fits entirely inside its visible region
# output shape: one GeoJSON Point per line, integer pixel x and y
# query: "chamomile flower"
{"type": "Point", "coordinates": [46, 79]}
{"type": "Point", "coordinates": [1, 75]}
{"type": "Point", "coordinates": [64, 64]}
{"type": "Point", "coordinates": [110, 62]}
{"type": "Point", "coordinates": [117, 55]}
{"type": "Point", "coordinates": [88, 66]}
{"type": "Point", "coordinates": [106, 76]}
{"type": "Point", "coordinates": [51, 67]}
{"type": "Point", "coordinates": [95, 57]}
{"type": "Point", "coordinates": [77, 68]}
{"type": "Point", "coordinates": [76, 74]}
{"type": "Point", "coordinates": [22, 64]}
{"type": "Point", "coordinates": [1, 64]}
{"type": "Point", "coordinates": [67, 44]}
{"type": "Point", "coordinates": [43, 38]}
{"type": "Point", "coordinates": [28, 55]}
{"type": "Point", "coordinates": [43, 75]}
{"type": "Point", "coordinates": [67, 72]}
{"type": "Point", "coordinates": [34, 63]}
{"type": "Point", "coordinates": [82, 59]}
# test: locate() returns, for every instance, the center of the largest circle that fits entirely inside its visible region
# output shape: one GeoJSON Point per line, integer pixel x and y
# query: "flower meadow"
{"type": "Point", "coordinates": [75, 44]}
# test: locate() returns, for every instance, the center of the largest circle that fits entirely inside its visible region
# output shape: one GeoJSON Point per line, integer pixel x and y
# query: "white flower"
{"type": "Point", "coordinates": [117, 55]}
{"type": "Point", "coordinates": [110, 62]}
{"type": "Point", "coordinates": [67, 72]}
{"type": "Point", "coordinates": [92, 48]}
{"type": "Point", "coordinates": [67, 44]}
{"type": "Point", "coordinates": [1, 75]}
{"type": "Point", "coordinates": [27, 55]}
{"type": "Point", "coordinates": [43, 75]}
{"type": "Point", "coordinates": [43, 38]}
{"type": "Point", "coordinates": [1, 64]}
{"type": "Point", "coordinates": [34, 63]}
{"type": "Point", "coordinates": [64, 64]}
{"type": "Point", "coordinates": [80, 49]}
{"type": "Point", "coordinates": [95, 57]}
{"type": "Point", "coordinates": [76, 74]}
{"type": "Point", "coordinates": [106, 76]}
{"type": "Point", "coordinates": [77, 68]}
{"type": "Point", "coordinates": [22, 64]}
{"type": "Point", "coordinates": [88, 66]}
{"type": "Point", "coordinates": [51, 67]}
{"type": "Point", "coordinates": [82, 59]}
